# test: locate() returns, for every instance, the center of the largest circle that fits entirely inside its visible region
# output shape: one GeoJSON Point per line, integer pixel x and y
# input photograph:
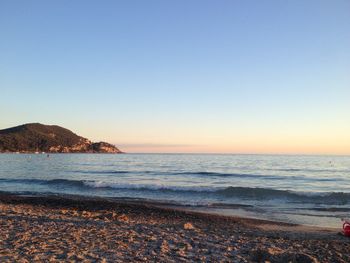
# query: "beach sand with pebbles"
{"type": "Point", "coordinates": [80, 229]}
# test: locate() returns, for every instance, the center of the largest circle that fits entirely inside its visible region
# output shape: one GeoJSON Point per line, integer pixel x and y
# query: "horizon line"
{"type": "Point", "coordinates": [217, 153]}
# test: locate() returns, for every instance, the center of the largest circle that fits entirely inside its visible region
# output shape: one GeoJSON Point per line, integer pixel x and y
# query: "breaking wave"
{"type": "Point", "coordinates": [251, 193]}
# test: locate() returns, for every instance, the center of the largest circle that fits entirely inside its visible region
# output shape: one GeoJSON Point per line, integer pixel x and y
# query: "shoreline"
{"type": "Point", "coordinates": [98, 229]}
{"type": "Point", "coordinates": [235, 210]}
{"type": "Point", "coordinates": [81, 202]}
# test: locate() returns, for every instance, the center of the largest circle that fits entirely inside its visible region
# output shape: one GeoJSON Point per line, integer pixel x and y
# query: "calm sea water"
{"type": "Point", "coordinates": [313, 190]}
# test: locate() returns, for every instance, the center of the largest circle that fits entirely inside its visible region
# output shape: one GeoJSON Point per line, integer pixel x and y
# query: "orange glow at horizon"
{"type": "Point", "coordinates": [290, 138]}
{"type": "Point", "coordinates": [292, 147]}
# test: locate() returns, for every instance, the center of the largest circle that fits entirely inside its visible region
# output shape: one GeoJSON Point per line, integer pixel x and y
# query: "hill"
{"type": "Point", "coordinates": [36, 137]}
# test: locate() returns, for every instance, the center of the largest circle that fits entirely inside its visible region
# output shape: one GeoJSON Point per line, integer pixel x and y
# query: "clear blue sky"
{"type": "Point", "coordinates": [181, 76]}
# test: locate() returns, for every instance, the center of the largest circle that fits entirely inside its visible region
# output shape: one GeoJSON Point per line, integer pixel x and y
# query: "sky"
{"type": "Point", "coordinates": [181, 76]}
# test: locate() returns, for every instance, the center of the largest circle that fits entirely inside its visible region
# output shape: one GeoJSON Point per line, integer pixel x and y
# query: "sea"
{"type": "Point", "coordinates": [300, 189]}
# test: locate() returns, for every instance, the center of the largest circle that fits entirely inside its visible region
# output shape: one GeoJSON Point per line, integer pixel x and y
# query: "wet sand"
{"type": "Point", "coordinates": [81, 229]}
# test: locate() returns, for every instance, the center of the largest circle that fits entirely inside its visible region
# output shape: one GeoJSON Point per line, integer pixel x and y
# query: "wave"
{"type": "Point", "coordinates": [211, 174]}
{"type": "Point", "coordinates": [215, 174]}
{"type": "Point", "coordinates": [105, 185]}
{"type": "Point", "coordinates": [310, 170]}
{"type": "Point", "coordinates": [268, 193]}
{"type": "Point", "coordinates": [101, 172]}
{"type": "Point", "coordinates": [331, 209]}
{"type": "Point", "coordinates": [259, 176]}
{"type": "Point", "coordinates": [57, 182]}
{"type": "Point", "coordinates": [247, 193]}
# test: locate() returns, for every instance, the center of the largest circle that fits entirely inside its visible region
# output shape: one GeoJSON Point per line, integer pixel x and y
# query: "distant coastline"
{"type": "Point", "coordinates": [39, 138]}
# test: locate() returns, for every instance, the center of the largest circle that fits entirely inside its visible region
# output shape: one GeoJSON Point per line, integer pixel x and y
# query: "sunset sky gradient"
{"type": "Point", "coordinates": [181, 76]}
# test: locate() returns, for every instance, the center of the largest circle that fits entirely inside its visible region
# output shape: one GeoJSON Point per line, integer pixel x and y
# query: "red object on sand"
{"type": "Point", "coordinates": [346, 228]}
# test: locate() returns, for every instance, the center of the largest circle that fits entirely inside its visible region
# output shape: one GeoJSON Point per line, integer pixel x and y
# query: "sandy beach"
{"type": "Point", "coordinates": [79, 229]}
